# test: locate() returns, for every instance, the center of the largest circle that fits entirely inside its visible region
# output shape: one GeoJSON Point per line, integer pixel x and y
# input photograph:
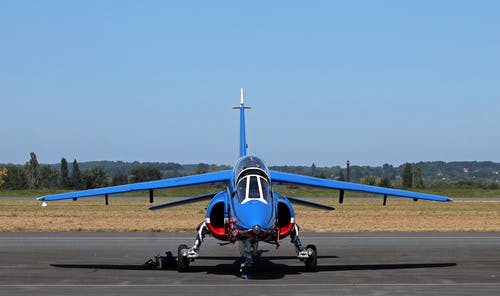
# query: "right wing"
{"type": "Point", "coordinates": [220, 176]}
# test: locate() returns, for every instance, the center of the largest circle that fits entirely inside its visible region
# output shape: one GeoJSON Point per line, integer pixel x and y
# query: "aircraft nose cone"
{"type": "Point", "coordinates": [256, 229]}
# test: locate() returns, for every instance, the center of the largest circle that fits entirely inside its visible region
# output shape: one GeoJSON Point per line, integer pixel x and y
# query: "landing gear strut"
{"type": "Point", "coordinates": [308, 255]}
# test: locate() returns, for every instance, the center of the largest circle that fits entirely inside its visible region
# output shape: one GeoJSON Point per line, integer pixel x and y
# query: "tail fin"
{"type": "Point", "coordinates": [243, 141]}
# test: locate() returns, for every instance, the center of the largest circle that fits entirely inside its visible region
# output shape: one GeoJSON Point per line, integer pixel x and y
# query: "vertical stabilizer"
{"type": "Point", "coordinates": [243, 141]}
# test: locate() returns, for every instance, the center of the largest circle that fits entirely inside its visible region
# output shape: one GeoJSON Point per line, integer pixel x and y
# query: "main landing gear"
{"type": "Point", "coordinates": [182, 259]}
{"type": "Point", "coordinates": [308, 255]}
{"type": "Point", "coordinates": [185, 255]}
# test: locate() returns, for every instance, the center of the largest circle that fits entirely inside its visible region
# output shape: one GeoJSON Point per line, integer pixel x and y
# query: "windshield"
{"type": "Point", "coordinates": [253, 187]}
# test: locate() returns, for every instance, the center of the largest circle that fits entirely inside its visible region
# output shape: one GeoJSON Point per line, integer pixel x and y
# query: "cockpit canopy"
{"type": "Point", "coordinates": [247, 163]}
{"type": "Point", "coordinates": [252, 180]}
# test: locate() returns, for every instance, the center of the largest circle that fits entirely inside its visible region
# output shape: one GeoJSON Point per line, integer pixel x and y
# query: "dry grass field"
{"type": "Point", "coordinates": [352, 216]}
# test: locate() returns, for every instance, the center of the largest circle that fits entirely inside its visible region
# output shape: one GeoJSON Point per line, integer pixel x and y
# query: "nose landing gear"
{"type": "Point", "coordinates": [248, 251]}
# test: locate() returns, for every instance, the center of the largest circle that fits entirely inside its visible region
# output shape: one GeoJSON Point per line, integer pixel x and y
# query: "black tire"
{"type": "Point", "coordinates": [248, 269]}
{"type": "Point", "coordinates": [312, 262]}
{"type": "Point", "coordinates": [182, 261]}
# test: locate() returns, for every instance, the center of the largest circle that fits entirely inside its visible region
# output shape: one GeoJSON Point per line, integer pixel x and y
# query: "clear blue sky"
{"type": "Point", "coordinates": [371, 81]}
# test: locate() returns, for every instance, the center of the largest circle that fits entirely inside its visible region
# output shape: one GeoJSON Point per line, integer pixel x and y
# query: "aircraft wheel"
{"type": "Point", "coordinates": [182, 261]}
{"type": "Point", "coordinates": [247, 269]}
{"type": "Point", "coordinates": [312, 262]}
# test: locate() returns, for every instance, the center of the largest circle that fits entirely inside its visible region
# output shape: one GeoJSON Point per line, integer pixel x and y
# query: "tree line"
{"type": "Point", "coordinates": [431, 170]}
{"type": "Point", "coordinates": [411, 178]}
{"type": "Point", "coordinates": [36, 176]}
{"type": "Point", "coordinates": [95, 174]}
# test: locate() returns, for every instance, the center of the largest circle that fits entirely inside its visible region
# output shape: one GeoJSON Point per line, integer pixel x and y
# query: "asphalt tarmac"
{"type": "Point", "coordinates": [349, 264]}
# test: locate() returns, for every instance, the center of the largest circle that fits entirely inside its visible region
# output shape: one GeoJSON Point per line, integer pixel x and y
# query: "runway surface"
{"type": "Point", "coordinates": [349, 263]}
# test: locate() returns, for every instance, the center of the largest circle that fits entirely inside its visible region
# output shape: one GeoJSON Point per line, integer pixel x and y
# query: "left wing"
{"type": "Point", "coordinates": [221, 176]}
{"type": "Point", "coordinates": [332, 184]}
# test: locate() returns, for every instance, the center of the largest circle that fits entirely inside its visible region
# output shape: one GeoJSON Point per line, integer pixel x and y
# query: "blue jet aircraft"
{"type": "Point", "coordinates": [248, 211]}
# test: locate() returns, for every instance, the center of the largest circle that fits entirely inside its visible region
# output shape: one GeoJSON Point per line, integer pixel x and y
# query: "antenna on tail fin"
{"type": "Point", "coordinates": [243, 141]}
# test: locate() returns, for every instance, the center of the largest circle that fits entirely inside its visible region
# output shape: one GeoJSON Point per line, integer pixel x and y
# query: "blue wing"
{"type": "Point", "coordinates": [332, 184]}
{"type": "Point", "coordinates": [221, 176]}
